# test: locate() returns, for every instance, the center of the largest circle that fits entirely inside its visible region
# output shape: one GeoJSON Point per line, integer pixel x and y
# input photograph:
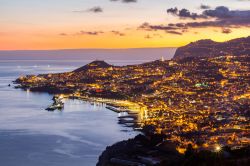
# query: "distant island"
{"type": "Point", "coordinates": [199, 100]}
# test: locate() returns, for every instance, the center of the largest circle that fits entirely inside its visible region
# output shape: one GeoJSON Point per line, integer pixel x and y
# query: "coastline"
{"type": "Point", "coordinates": [175, 99]}
{"type": "Point", "coordinates": [130, 113]}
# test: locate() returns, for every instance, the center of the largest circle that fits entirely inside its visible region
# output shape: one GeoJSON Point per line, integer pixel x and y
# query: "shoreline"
{"type": "Point", "coordinates": [176, 102]}
{"type": "Point", "coordinates": [127, 109]}
{"type": "Point", "coordinates": [141, 152]}
{"type": "Point", "coordinates": [129, 113]}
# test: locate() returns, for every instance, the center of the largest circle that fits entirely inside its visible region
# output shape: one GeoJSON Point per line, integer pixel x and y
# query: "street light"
{"type": "Point", "coordinates": [217, 148]}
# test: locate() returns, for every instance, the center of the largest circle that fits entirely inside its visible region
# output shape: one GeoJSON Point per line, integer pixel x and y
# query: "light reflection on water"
{"type": "Point", "coordinates": [30, 136]}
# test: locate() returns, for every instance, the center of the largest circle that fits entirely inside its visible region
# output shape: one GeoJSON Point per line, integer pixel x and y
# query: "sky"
{"type": "Point", "coordinates": [71, 24]}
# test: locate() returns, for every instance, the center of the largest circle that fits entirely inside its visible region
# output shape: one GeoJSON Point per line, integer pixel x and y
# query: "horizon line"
{"type": "Point", "coordinates": [69, 49]}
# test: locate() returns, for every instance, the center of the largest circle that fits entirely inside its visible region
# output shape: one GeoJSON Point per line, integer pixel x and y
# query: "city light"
{"type": "Point", "coordinates": [217, 148]}
{"type": "Point", "coordinates": [203, 98]}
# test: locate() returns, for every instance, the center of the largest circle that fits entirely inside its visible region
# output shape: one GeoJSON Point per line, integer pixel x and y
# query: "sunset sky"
{"type": "Point", "coordinates": [68, 24]}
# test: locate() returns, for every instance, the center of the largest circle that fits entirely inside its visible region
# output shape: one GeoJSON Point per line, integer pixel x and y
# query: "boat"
{"type": "Point", "coordinates": [56, 106]}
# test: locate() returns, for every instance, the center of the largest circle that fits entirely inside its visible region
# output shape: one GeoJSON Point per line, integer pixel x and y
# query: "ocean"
{"type": "Point", "coordinates": [30, 135]}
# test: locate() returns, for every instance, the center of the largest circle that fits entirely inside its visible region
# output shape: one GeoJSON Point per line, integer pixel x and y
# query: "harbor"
{"type": "Point", "coordinates": [130, 114]}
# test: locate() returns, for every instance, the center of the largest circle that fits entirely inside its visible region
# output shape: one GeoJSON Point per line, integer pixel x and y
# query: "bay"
{"type": "Point", "coordinates": [30, 136]}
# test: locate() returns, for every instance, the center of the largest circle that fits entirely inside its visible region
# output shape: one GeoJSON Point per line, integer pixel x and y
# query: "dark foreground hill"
{"type": "Point", "coordinates": [151, 151]}
{"type": "Point", "coordinates": [209, 48]}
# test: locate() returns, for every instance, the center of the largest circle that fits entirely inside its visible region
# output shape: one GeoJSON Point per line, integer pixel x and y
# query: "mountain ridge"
{"type": "Point", "coordinates": [210, 48]}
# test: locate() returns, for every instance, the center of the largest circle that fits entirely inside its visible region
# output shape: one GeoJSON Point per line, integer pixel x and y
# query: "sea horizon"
{"type": "Point", "coordinates": [145, 54]}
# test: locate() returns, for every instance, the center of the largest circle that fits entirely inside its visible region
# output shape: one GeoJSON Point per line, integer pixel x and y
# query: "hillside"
{"type": "Point", "coordinates": [94, 65]}
{"type": "Point", "coordinates": [183, 99]}
{"type": "Point", "coordinates": [209, 48]}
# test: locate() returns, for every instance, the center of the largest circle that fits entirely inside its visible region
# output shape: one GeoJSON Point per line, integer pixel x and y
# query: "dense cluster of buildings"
{"type": "Point", "coordinates": [199, 101]}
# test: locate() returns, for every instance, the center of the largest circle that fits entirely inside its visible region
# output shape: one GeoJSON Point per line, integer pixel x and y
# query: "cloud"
{"type": "Point", "coordinates": [168, 29]}
{"type": "Point", "coordinates": [220, 13]}
{"type": "Point", "coordinates": [223, 17]}
{"type": "Point", "coordinates": [204, 6]}
{"type": "Point", "coordinates": [219, 17]}
{"type": "Point", "coordinates": [173, 11]}
{"type": "Point", "coordinates": [174, 32]}
{"type": "Point", "coordinates": [118, 33]}
{"type": "Point", "coordinates": [95, 9]}
{"type": "Point", "coordinates": [148, 27]}
{"type": "Point", "coordinates": [63, 34]}
{"type": "Point", "coordinates": [184, 13]}
{"type": "Point", "coordinates": [93, 33]}
{"type": "Point", "coordinates": [80, 33]}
